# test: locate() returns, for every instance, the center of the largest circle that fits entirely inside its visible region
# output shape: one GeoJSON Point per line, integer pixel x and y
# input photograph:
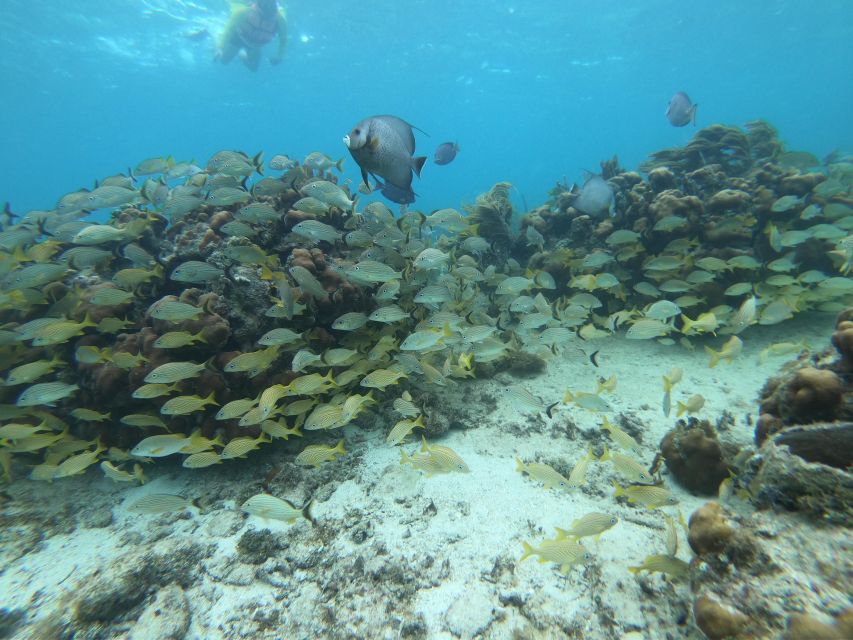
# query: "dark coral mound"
{"type": "Point", "coordinates": [693, 453]}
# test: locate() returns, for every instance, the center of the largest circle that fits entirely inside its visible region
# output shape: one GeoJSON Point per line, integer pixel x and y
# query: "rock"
{"type": "Point", "coordinates": [802, 627]}
{"type": "Point", "coordinates": [786, 481]}
{"type": "Point", "coordinates": [472, 614]}
{"type": "Point", "coordinates": [9, 619]}
{"type": "Point", "coordinates": [717, 621]}
{"type": "Point", "coordinates": [256, 546]}
{"type": "Point", "coordinates": [106, 599]}
{"type": "Point", "coordinates": [830, 444]}
{"type": "Point", "coordinates": [166, 618]}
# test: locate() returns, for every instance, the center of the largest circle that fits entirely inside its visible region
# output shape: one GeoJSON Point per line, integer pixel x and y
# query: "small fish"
{"type": "Point", "coordinates": [445, 153]}
{"type": "Point", "coordinates": [328, 193]}
{"type": "Point", "coordinates": [592, 524]}
{"type": "Point", "coordinates": [405, 407]}
{"type": "Point", "coordinates": [281, 163]}
{"type": "Point", "coordinates": [351, 321]}
{"type": "Point", "coordinates": [321, 162]}
{"type": "Point", "coordinates": [32, 371]}
{"type": "Point", "coordinates": [239, 447]}
{"type": "Point", "coordinates": [693, 405]}
{"type": "Point", "coordinates": [430, 258]}
{"type": "Point", "coordinates": [381, 378]}
{"type": "Point", "coordinates": [624, 440]}
{"type": "Point", "coordinates": [563, 551]}
{"type": "Point", "coordinates": [544, 473]}
{"type": "Point", "coordinates": [45, 393]}
{"type": "Point", "coordinates": [681, 111]}
{"type": "Point", "coordinates": [89, 415]}
{"type": "Point", "coordinates": [151, 166]}
{"type": "Point", "coordinates": [155, 503]}
{"type": "Point", "coordinates": [183, 405]}
{"type": "Point", "coordinates": [253, 362]}
{"type": "Point", "coordinates": [148, 391]}
{"type": "Point", "coordinates": [119, 475]}
{"type": "Point", "coordinates": [143, 420]}
{"type": "Point", "coordinates": [175, 372]}
{"type": "Point", "coordinates": [111, 297]}
{"type": "Point", "coordinates": [578, 474]}
{"type": "Point", "coordinates": [324, 416]}
{"type": "Point", "coordinates": [781, 349]}
{"type": "Point", "coordinates": [196, 272]}
{"type": "Point", "coordinates": [371, 271]}
{"type": "Point", "coordinates": [651, 496]}
{"type": "Point", "coordinates": [279, 337]}
{"type": "Point", "coordinates": [628, 467]}
{"type": "Point", "coordinates": [403, 428]}
{"type": "Point", "coordinates": [648, 328]}
{"type": "Point", "coordinates": [174, 311]}
{"type": "Point", "coordinates": [315, 231]}
{"type": "Point", "coordinates": [201, 460]}
{"type": "Point", "coordinates": [704, 323]}
{"type": "Point", "coordinates": [586, 400]}
{"type": "Point", "coordinates": [317, 454]}
{"type": "Point", "coordinates": [160, 446]}
{"type": "Point", "coordinates": [235, 409]}
{"type": "Point", "coordinates": [663, 563]}
{"type": "Point", "coordinates": [279, 429]}
{"type": "Point", "coordinates": [303, 359]}
{"type": "Point", "coordinates": [308, 282]}
{"type": "Point", "coordinates": [522, 396]}
{"type": "Point", "coordinates": [178, 339]}
{"type": "Point", "coordinates": [78, 464]}
{"type": "Point", "coordinates": [388, 314]}
{"type": "Point", "coordinates": [266, 506]}
{"type": "Point", "coordinates": [662, 310]}
{"type": "Point", "coordinates": [731, 349]}
{"type": "Point", "coordinates": [442, 459]}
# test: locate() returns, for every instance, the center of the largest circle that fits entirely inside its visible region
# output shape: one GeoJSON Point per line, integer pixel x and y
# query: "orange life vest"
{"type": "Point", "coordinates": [257, 30]}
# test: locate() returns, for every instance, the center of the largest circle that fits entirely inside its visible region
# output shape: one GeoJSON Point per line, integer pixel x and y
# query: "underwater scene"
{"type": "Point", "coordinates": [426, 320]}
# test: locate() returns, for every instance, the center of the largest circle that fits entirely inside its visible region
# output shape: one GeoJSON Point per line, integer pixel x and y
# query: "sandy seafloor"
{"type": "Point", "coordinates": [395, 553]}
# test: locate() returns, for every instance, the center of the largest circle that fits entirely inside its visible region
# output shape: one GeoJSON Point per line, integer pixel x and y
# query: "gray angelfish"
{"type": "Point", "coordinates": [384, 146]}
{"type": "Point", "coordinates": [681, 111]}
{"type": "Point", "coordinates": [595, 198]}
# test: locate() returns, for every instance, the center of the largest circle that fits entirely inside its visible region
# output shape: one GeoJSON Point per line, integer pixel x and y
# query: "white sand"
{"type": "Point", "coordinates": [395, 553]}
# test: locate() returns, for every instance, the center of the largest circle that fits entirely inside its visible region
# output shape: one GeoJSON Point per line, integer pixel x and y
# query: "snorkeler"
{"type": "Point", "coordinates": [249, 29]}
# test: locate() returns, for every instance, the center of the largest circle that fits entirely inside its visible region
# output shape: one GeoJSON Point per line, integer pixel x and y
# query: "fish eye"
{"type": "Point", "coordinates": [612, 520]}
{"type": "Point", "coordinates": [357, 131]}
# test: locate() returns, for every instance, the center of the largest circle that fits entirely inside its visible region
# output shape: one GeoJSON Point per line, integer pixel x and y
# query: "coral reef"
{"type": "Point", "coordinates": [717, 220]}
{"type": "Point", "coordinates": [805, 434]}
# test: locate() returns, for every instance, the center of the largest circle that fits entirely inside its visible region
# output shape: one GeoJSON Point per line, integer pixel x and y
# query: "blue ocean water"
{"type": "Point", "coordinates": [532, 91]}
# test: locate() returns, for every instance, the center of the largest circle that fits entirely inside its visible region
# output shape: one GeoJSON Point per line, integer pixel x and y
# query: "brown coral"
{"type": "Point", "coordinates": [708, 530]}
{"type": "Point", "coordinates": [842, 340]}
{"type": "Point", "coordinates": [728, 200]}
{"type": "Point", "coordinates": [815, 394]}
{"type": "Point", "coordinates": [693, 454]}
{"type": "Point", "coordinates": [716, 620]}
